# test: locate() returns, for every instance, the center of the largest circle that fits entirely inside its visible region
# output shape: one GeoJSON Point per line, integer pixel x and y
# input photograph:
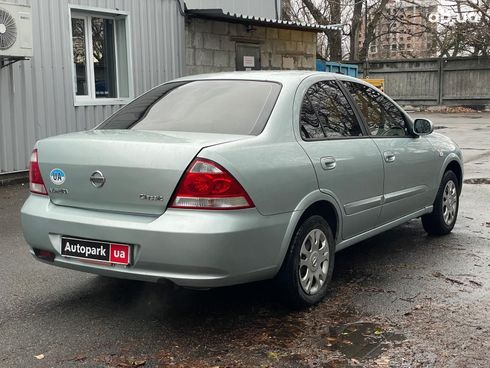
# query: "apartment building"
{"type": "Point", "coordinates": [402, 31]}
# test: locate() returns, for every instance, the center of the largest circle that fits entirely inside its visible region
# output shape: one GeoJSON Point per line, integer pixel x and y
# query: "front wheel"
{"type": "Point", "coordinates": [443, 217]}
{"type": "Point", "coordinates": [308, 267]}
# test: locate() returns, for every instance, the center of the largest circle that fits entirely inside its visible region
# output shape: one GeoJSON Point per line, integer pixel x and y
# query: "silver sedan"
{"type": "Point", "coordinates": [222, 179]}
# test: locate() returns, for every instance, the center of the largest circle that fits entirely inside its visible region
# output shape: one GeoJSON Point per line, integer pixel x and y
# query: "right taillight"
{"type": "Point", "coordinates": [208, 186]}
{"type": "Point", "coordinates": [36, 183]}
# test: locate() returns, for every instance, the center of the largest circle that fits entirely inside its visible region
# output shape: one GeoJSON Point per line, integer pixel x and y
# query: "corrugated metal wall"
{"type": "Point", "coordinates": [36, 98]}
{"type": "Point", "coordinates": [258, 8]}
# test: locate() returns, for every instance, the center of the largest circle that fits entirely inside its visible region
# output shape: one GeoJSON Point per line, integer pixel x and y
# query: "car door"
{"type": "Point", "coordinates": [347, 162]}
{"type": "Point", "coordinates": [409, 161]}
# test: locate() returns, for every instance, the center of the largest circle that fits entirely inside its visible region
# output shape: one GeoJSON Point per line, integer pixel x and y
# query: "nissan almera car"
{"type": "Point", "coordinates": [223, 179]}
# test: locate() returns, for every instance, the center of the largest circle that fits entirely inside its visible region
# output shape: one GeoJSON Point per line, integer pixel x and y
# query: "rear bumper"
{"type": "Point", "coordinates": [188, 247]}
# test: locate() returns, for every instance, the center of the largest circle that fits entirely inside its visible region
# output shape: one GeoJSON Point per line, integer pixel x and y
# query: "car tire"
{"type": "Point", "coordinates": [310, 257]}
{"type": "Point", "coordinates": [443, 217]}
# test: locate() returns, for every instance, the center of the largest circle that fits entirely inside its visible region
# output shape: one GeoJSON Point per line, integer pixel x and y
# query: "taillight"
{"type": "Point", "coordinates": [208, 186]}
{"type": "Point", "coordinates": [36, 183]}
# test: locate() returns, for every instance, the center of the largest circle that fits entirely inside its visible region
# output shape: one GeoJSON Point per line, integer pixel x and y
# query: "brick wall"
{"type": "Point", "coordinates": [211, 46]}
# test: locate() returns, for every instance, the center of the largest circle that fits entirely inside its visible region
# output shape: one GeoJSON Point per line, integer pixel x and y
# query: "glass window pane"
{"type": "Point", "coordinates": [382, 116]}
{"type": "Point", "coordinates": [122, 58]}
{"type": "Point", "coordinates": [104, 57]}
{"type": "Point", "coordinates": [335, 112]}
{"type": "Point", "coordinates": [309, 124]}
{"type": "Point", "coordinates": [79, 56]}
{"type": "Point", "coordinates": [221, 106]}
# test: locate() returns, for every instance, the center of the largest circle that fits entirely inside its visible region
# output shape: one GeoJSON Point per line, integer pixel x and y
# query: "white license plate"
{"type": "Point", "coordinates": [95, 250]}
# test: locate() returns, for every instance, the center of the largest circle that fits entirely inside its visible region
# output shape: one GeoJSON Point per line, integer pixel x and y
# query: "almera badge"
{"type": "Point", "coordinates": [57, 176]}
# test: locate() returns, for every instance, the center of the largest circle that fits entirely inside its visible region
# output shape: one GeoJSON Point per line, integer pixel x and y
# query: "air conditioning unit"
{"type": "Point", "coordinates": [15, 30]}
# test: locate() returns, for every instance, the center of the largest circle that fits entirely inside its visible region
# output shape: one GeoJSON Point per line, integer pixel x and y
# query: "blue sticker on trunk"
{"type": "Point", "coordinates": [57, 176]}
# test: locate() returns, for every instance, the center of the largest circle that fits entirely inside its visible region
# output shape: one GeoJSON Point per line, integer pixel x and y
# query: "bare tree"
{"type": "Point", "coordinates": [473, 27]}
{"type": "Point", "coordinates": [466, 33]}
{"type": "Point", "coordinates": [355, 28]}
{"type": "Point", "coordinates": [375, 12]}
{"type": "Point", "coordinates": [328, 12]}
{"type": "Point", "coordinates": [346, 12]}
{"type": "Point", "coordinates": [457, 28]}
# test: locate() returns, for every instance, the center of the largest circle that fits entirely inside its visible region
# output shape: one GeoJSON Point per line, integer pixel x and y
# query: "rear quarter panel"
{"type": "Point", "coordinates": [276, 175]}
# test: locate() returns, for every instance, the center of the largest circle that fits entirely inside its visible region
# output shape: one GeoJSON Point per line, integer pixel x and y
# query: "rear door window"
{"type": "Point", "coordinates": [326, 113]}
{"type": "Point", "coordinates": [207, 106]}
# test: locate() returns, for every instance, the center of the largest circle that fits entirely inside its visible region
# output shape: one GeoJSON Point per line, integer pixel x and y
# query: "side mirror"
{"type": "Point", "coordinates": [423, 126]}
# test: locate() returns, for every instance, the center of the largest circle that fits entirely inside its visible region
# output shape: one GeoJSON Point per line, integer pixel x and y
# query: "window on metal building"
{"type": "Point", "coordinates": [100, 57]}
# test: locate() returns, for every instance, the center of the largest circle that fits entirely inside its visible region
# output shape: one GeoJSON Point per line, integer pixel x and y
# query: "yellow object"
{"type": "Point", "coordinates": [378, 83]}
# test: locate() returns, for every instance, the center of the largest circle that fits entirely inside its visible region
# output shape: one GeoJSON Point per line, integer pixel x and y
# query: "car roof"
{"type": "Point", "coordinates": [281, 76]}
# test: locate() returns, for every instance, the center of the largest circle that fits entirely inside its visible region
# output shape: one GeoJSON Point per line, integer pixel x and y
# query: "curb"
{"type": "Point", "coordinates": [14, 178]}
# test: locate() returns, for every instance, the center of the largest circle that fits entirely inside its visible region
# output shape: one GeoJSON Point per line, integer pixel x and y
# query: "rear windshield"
{"type": "Point", "coordinates": [210, 106]}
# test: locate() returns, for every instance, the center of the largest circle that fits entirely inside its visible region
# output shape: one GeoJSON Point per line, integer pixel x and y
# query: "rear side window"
{"type": "Point", "coordinates": [209, 106]}
{"type": "Point", "coordinates": [326, 113]}
{"type": "Point", "coordinates": [382, 116]}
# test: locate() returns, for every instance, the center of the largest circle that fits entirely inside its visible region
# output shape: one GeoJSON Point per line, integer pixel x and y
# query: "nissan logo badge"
{"type": "Point", "coordinates": [97, 179]}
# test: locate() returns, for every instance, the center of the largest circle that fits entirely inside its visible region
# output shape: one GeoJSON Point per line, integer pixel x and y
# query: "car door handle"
{"type": "Point", "coordinates": [389, 156]}
{"type": "Point", "coordinates": [328, 163]}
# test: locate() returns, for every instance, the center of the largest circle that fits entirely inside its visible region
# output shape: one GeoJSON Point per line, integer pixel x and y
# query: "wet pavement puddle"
{"type": "Point", "coordinates": [361, 340]}
{"type": "Point", "coordinates": [477, 181]}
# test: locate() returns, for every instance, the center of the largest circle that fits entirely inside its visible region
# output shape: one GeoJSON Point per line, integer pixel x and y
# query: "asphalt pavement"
{"type": "Point", "coordinates": [400, 299]}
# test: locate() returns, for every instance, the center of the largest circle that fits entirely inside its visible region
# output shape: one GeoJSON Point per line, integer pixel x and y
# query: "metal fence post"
{"type": "Point", "coordinates": [440, 80]}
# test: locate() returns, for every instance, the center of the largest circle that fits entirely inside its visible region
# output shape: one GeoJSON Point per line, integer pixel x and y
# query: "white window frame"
{"type": "Point", "coordinates": [86, 13]}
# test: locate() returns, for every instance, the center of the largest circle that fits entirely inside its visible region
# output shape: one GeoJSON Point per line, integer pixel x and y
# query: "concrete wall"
{"type": "Point", "coordinates": [36, 96]}
{"type": "Point", "coordinates": [455, 81]}
{"type": "Point", "coordinates": [211, 46]}
{"type": "Point", "coordinates": [258, 8]}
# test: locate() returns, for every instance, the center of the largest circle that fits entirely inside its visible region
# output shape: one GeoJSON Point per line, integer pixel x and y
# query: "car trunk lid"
{"type": "Point", "coordinates": [124, 171]}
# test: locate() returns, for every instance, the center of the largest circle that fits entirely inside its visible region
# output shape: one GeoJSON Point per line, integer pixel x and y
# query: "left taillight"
{"type": "Point", "coordinates": [36, 183]}
{"type": "Point", "coordinates": [44, 254]}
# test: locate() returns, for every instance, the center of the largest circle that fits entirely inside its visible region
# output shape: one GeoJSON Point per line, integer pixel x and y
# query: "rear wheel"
{"type": "Point", "coordinates": [308, 267]}
{"type": "Point", "coordinates": [443, 217]}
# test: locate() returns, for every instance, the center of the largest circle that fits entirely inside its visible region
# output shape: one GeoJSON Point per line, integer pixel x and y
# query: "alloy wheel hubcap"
{"type": "Point", "coordinates": [449, 202]}
{"type": "Point", "coordinates": [313, 262]}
